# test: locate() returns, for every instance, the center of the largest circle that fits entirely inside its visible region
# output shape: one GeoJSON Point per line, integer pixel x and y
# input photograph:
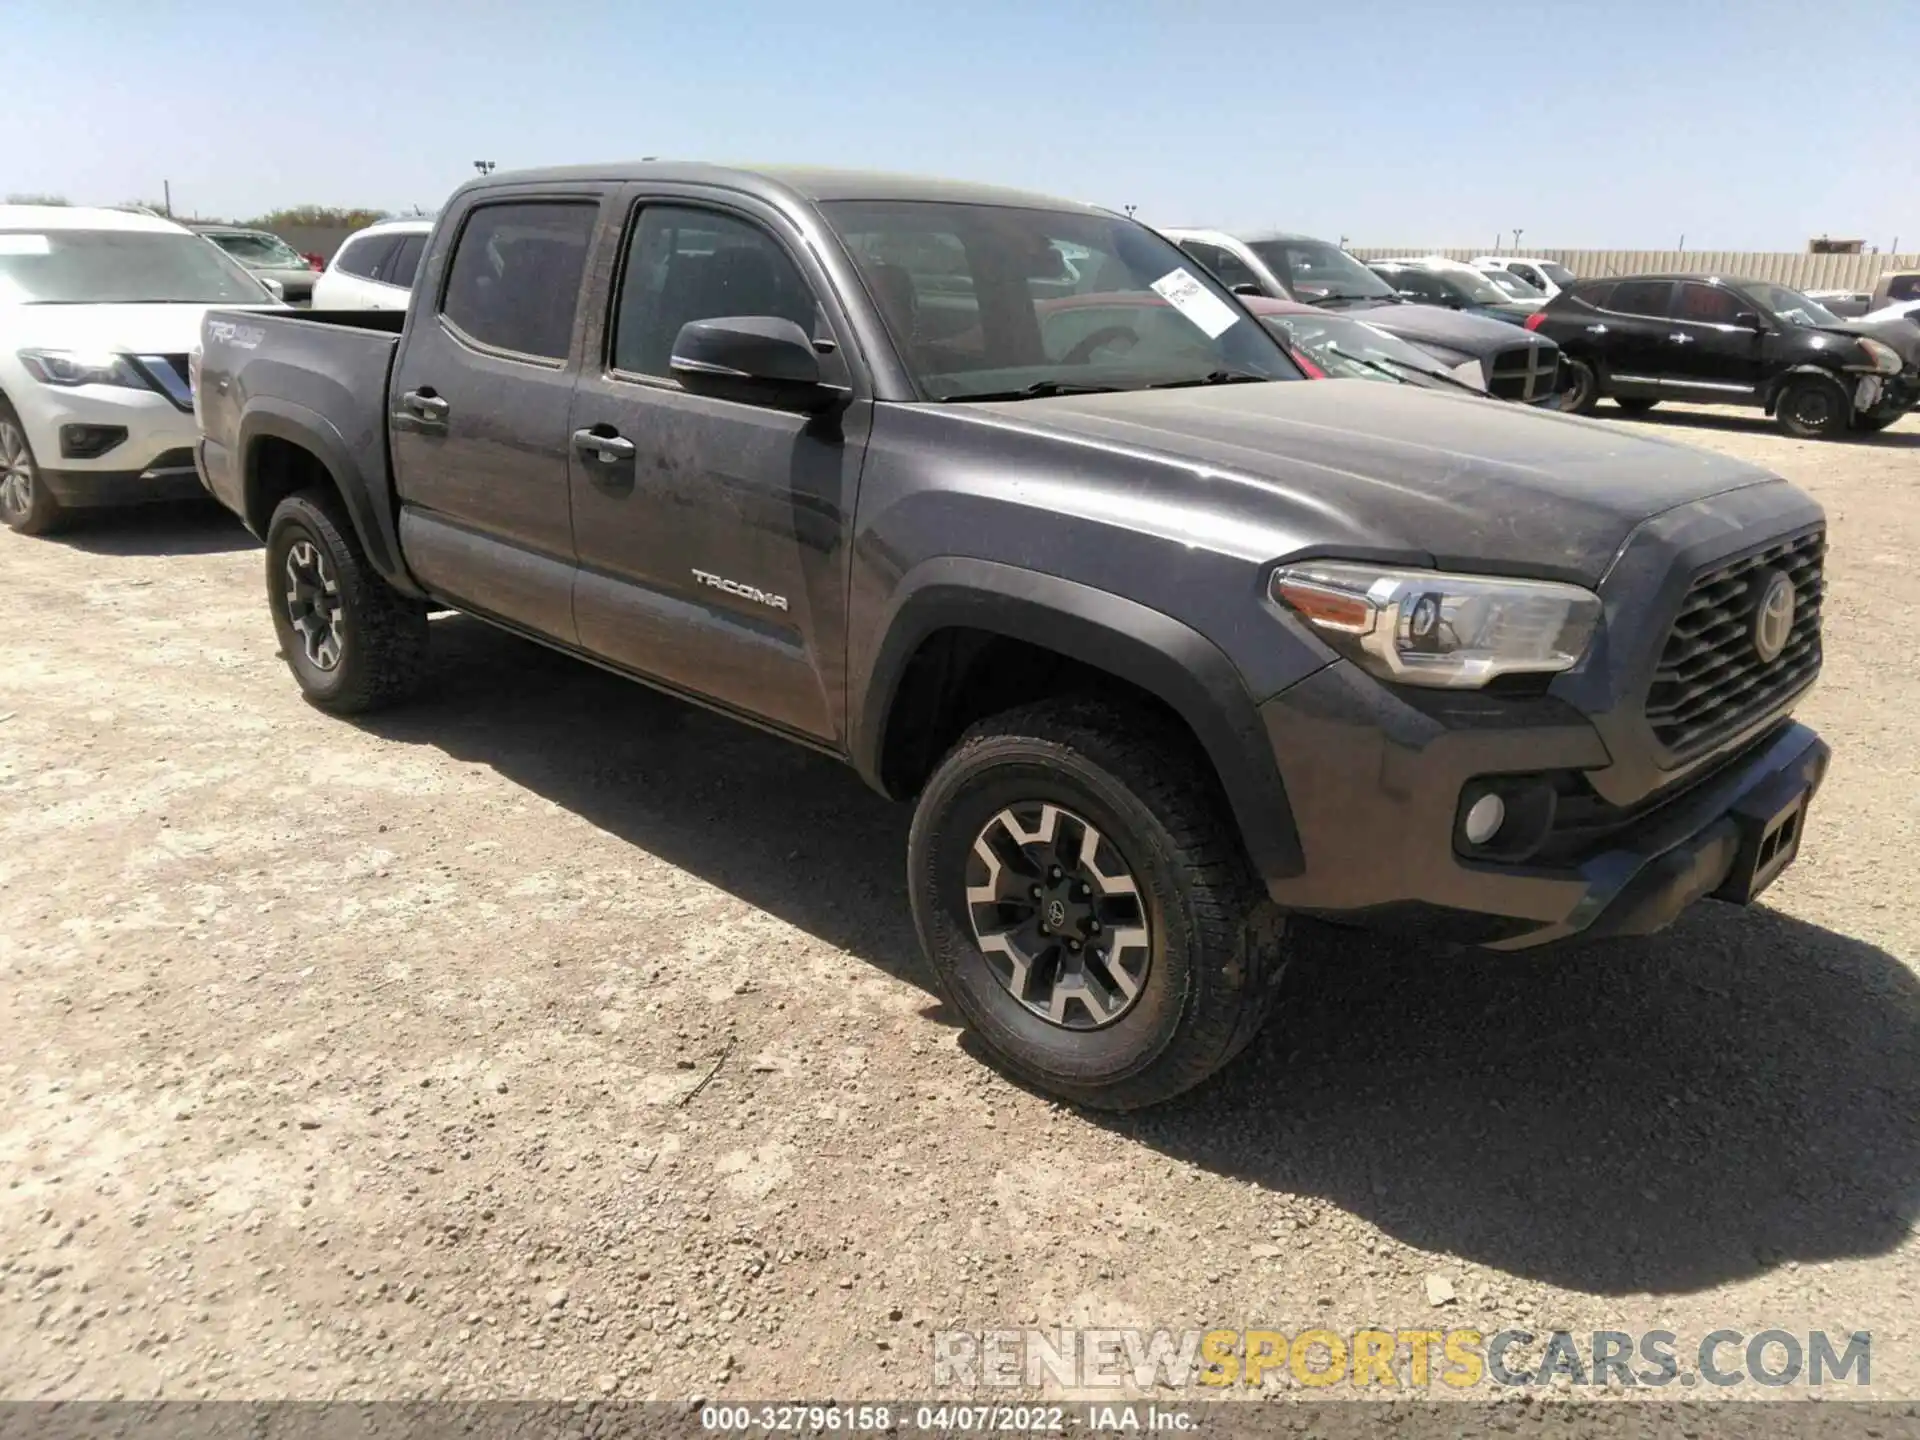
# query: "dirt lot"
{"type": "Point", "coordinates": [369, 1060]}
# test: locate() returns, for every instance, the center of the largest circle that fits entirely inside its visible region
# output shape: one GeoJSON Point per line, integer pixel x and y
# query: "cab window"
{"type": "Point", "coordinates": [514, 281]}
{"type": "Point", "coordinates": [685, 264]}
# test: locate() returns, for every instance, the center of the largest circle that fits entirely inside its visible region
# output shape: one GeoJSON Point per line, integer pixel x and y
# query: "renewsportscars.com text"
{"type": "Point", "coordinates": [1458, 1359]}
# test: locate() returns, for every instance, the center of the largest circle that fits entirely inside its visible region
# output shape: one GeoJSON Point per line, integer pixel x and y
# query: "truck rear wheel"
{"type": "Point", "coordinates": [353, 642]}
{"type": "Point", "coordinates": [1086, 904]}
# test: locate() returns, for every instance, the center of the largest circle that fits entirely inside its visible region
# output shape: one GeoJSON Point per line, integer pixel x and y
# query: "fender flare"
{"type": "Point", "coordinates": [1145, 647]}
{"type": "Point", "coordinates": [314, 433]}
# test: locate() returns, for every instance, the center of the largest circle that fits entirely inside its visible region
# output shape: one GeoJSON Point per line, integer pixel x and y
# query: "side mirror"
{"type": "Point", "coordinates": [272, 286]}
{"type": "Point", "coordinates": [1247, 287]}
{"type": "Point", "coordinates": [1749, 318]}
{"type": "Point", "coordinates": [754, 359]}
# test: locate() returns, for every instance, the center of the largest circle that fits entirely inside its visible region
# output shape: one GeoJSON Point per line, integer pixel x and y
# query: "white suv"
{"type": "Point", "coordinates": [374, 269]}
{"type": "Point", "coordinates": [1549, 276]}
{"type": "Point", "coordinates": [99, 310]}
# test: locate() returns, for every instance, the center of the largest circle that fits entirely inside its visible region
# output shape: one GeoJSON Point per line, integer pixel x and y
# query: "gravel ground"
{"type": "Point", "coordinates": [550, 1038]}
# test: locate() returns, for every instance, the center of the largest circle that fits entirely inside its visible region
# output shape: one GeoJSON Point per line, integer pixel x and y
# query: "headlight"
{"type": "Point", "coordinates": [1421, 627]}
{"type": "Point", "coordinates": [82, 367]}
{"type": "Point", "coordinates": [1884, 358]}
{"type": "Point", "coordinates": [1470, 372]}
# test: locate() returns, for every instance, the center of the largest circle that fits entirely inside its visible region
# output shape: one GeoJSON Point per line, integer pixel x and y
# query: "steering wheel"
{"type": "Point", "coordinates": [1106, 335]}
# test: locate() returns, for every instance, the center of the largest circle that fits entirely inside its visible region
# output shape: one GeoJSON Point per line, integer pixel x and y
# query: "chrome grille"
{"type": "Point", "coordinates": [1524, 372]}
{"type": "Point", "coordinates": [1711, 680]}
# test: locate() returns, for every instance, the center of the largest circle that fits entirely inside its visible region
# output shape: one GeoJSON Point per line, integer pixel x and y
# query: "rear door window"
{"type": "Point", "coordinates": [361, 256]}
{"type": "Point", "coordinates": [1640, 297]}
{"type": "Point", "coordinates": [402, 263]}
{"type": "Point", "coordinates": [514, 282]}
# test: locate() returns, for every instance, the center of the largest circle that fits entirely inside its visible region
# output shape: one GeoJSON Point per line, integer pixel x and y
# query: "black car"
{"type": "Point", "coordinates": [1641, 339]}
{"type": "Point", "coordinates": [1512, 364]}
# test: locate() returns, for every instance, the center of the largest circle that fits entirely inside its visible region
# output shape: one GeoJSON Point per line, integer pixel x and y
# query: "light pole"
{"type": "Point", "coordinates": [1129, 209]}
{"type": "Point", "coordinates": [1516, 237]}
{"type": "Point", "coordinates": [485, 167]}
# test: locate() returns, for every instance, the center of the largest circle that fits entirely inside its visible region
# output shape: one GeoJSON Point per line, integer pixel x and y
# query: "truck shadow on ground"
{"type": "Point", "coordinates": [1660, 1115]}
{"type": "Point", "coordinates": [185, 527]}
{"type": "Point", "coordinates": [1663, 1114]}
{"type": "Point", "coordinates": [789, 832]}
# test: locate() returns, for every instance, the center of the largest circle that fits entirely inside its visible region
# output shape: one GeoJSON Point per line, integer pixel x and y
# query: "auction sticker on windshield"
{"type": "Point", "coordinates": [19, 242]}
{"type": "Point", "coordinates": [1192, 299]}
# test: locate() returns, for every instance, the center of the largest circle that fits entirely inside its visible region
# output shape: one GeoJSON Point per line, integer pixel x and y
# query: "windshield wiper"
{"type": "Point", "coordinates": [1212, 377]}
{"type": "Point", "coordinates": [1039, 390]}
{"type": "Point", "coordinates": [1386, 365]}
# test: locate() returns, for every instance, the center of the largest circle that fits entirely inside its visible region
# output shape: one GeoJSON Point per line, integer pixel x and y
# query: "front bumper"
{"type": "Point", "coordinates": [1375, 810]}
{"type": "Point", "coordinates": [172, 477]}
{"type": "Point", "coordinates": [152, 461]}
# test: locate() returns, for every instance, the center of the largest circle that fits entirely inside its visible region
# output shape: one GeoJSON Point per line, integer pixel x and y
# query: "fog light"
{"type": "Point", "coordinates": [85, 442]}
{"type": "Point", "coordinates": [1484, 819]}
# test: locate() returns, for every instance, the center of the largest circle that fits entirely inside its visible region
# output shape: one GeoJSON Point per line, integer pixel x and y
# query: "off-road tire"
{"type": "Point", "coordinates": [42, 514]}
{"type": "Point", "coordinates": [1215, 956]}
{"type": "Point", "coordinates": [383, 646]}
{"type": "Point", "coordinates": [1799, 409]}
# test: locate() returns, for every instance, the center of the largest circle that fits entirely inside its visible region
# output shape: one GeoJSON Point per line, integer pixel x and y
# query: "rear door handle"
{"type": "Point", "coordinates": [426, 405]}
{"type": "Point", "coordinates": [1596, 329]}
{"type": "Point", "coordinates": [608, 449]}
{"type": "Point", "coordinates": [1680, 338]}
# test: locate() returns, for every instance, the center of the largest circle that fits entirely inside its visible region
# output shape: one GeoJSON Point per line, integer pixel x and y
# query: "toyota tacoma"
{"type": "Point", "coordinates": [1162, 646]}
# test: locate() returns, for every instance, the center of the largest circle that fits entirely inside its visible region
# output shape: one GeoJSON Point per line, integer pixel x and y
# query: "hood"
{"type": "Point", "coordinates": [1474, 335]}
{"type": "Point", "coordinates": [1902, 335]}
{"type": "Point", "coordinates": [1389, 471]}
{"type": "Point", "coordinates": [124, 329]}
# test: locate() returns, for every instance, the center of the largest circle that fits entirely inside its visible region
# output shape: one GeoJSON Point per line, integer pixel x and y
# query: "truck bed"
{"type": "Point", "coordinates": [318, 376]}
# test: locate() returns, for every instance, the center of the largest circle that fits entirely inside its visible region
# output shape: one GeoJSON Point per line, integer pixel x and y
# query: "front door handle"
{"type": "Point", "coordinates": [426, 405]}
{"type": "Point", "coordinates": [1596, 329]}
{"type": "Point", "coordinates": [1680, 338]}
{"type": "Point", "coordinates": [607, 448]}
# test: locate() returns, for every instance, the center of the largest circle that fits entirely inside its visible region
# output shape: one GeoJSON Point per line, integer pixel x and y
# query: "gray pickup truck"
{"type": "Point", "coordinates": [1163, 645]}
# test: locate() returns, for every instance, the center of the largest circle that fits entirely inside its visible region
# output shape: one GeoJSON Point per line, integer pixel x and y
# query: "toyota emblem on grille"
{"type": "Point", "coordinates": [1773, 617]}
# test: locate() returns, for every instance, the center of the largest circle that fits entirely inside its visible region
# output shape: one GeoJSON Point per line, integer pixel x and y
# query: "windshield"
{"type": "Point", "coordinates": [1791, 305]}
{"type": "Point", "coordinates": [1556, 272]}
{"type": "Point", "coordinates": [1342, 346]}
{"type": "Point", "coordinates": [1514, 286]}
{"type": "Point", "coordinates": [1472, 284]}
{"type": "Point", "coordinates": [990, 300]}
{"type": "Point", "coordinates": [119, 267]}
{"type": "Point", "coordinates": [265, 251]}
{"type": "Point", "coordinates": [1314, 270]}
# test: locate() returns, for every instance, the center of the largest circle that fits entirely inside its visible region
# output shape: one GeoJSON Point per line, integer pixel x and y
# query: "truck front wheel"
{"type": "Point", "coordinates": [353, 642]}
{"type": "Point", "coordinates": [1086, 905]}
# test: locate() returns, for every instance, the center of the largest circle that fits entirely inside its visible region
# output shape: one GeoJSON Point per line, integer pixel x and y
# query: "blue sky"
{"type": "Point", "coordinates": [1621, 123]}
